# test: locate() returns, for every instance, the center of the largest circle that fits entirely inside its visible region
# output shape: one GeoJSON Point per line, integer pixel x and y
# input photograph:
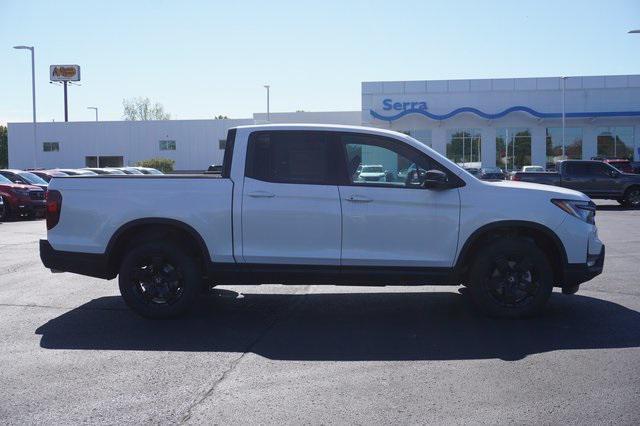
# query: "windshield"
{"type": "Point", "coordinates": [33, 179]}
{"type": "Point", "coordinates": [4, 180]}
{"type": "Point", "coordinates": [372, 169]}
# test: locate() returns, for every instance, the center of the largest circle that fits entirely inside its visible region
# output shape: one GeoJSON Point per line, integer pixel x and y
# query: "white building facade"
{"type": "Point", "coordinates": [510, 123]}
{"type": "Point", "coordinates": [507, 123]}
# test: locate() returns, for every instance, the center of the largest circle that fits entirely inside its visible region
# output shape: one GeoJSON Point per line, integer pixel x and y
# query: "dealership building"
{"type": "Point", "coordinates": [507, 123]}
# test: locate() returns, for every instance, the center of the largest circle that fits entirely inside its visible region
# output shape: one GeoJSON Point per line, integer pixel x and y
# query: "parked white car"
{"type": "Point", "coordinates": [288, 208]}
{"type": "Point", "coordinates": [531, 169]}
{"type": "Point", "coordinates": [372, 173]}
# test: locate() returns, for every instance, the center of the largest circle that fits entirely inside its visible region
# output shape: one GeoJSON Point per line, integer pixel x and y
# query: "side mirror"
{"type": "Point", "coordinates": [435, 179]}
{"type": "Point", "coordinates": [614, 174]}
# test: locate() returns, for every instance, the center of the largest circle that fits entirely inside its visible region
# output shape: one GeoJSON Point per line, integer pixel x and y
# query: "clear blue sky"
{"type": "Point", "coordinates": [204, 58]}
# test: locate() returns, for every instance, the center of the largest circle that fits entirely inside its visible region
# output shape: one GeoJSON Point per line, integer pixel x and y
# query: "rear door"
{"type": "Point", "coordinates": [394, 221]}
{"type": "Point", "coordinates": [290, 202]}
{"type": "Point", "coordinates": [578, 176]}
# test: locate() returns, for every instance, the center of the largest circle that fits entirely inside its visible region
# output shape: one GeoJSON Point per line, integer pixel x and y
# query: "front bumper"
{"type": "Point", "coordinates": [28, 206]}
{"type": "Point", "coordinates": [578, 273]}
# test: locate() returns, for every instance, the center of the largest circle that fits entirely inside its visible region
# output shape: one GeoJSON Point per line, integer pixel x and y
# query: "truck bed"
{"type": "Point", "coordinates": [545, 178]}
{"type": "Point", "coordinates": [104, 203]}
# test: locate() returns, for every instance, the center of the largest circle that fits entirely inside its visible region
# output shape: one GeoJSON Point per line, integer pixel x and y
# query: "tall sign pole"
{"type": "Point", "coordinates": [66, 107]}
{"type": "Point", "coordinates": [64, 74]}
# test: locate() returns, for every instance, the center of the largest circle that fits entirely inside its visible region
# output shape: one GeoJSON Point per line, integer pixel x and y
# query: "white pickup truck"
{"type": "Point", "coordinates": [289, 208]}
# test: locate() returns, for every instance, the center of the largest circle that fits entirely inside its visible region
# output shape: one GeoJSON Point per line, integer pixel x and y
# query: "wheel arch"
{"type": "Point", "coordinates": [542, 235]}
{"type": "Point", "coordinates": [146, 229]}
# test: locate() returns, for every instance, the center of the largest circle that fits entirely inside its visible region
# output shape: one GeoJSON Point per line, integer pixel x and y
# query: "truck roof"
{"type": "Point", "coordinates": [325, 127]}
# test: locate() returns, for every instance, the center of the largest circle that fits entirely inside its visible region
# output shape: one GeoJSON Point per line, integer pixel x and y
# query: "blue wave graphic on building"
{"type": "Point", "coordinates": [488, 116]}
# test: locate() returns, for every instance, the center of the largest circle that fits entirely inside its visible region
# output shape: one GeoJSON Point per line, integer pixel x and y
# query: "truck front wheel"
{"type": "Point", "coordinates": [632, 198]}
{"type": "Point", "coordinates": [511, 278]}
{"type": "Point", "coordinates": [159, 280]}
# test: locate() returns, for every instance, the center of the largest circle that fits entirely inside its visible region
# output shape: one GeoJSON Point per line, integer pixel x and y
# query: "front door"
{"type": "Point", "coordinates": [290, 201]}
{"type": "Point", "coordinates": [389, 219]}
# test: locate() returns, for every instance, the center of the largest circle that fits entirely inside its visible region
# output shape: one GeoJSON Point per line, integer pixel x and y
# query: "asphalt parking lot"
{"type": "Point", "coordinates": [71, 352]}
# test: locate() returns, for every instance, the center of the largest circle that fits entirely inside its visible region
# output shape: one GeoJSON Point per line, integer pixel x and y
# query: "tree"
{"type": "Point", "coordinates": [4, 148]}
{"type": "Point", "coordinates": [140, 109]}
{"type": "Point", "coordinates": [220, 117]}
{"type": "Point", "coordinates": [165, 165]}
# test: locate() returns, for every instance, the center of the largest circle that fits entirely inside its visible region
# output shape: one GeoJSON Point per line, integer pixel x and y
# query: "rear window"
{"type": "Point", "coordinates": [577, 169]}
{"type": "Point", "coordinates": [291, 157]}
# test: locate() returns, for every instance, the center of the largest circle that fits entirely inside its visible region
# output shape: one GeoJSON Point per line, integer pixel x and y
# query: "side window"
{"type": "Point", "coordinates": [577, 169]}
{"type": "Point", "coordinates": [380, 162]}
{"type": "Point", "coordinates": [601, 170]}
{"type": "Point", "coordinates": [291, 157]}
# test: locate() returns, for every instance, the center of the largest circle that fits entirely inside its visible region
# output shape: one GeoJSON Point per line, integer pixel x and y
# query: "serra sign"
{"type": "Point", "coordinates": [64, 72]}
{"type": "Point", "coordinates": [388, 105]}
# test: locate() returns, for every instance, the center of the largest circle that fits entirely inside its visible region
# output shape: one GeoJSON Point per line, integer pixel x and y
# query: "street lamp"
{"type": "Point", "coordinates": [96, 137]}
{"type": "Point", "coordinates": [33, 95]}
{"type": "Point", "coordinates": [266, 86]}
{"type": "Point", "coordinates": [96, 110]}
{"type": "Point", "coordinates": [564, 79]}
{"type": "Point", "coordinates": [634, 32]}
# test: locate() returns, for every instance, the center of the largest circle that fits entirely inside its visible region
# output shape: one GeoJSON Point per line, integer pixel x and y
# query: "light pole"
{"type": "Point", "coordinates": [266, 86]}
{"type": "Point", "coordinates": [33, 95]}
{"type": "Point", "coordinates": [96, 110]}
{"type": "Point", "coordinates": [96, 137]}
{"type": "Point", "coordinates": [564, 79]}
{"type": "Point", "coordinates": [634, 32]}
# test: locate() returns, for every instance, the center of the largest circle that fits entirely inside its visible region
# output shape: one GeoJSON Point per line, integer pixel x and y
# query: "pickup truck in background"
{"type": "Point", "coordinates": [596, 179]}
{"type": "Point", "coordinates": [290, 207]}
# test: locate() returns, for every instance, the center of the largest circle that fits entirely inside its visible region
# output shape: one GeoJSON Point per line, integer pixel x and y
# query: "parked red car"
{"type": "Point", "coordinates": [621, 164]}
{"type": "Point", "coordinates": [21, 200]}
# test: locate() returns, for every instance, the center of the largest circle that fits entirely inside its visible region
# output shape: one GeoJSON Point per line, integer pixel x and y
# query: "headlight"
{"type": "Point", "coordinates": [583, 210]}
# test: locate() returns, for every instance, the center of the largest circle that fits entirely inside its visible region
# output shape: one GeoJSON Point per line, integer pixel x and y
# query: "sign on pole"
{"type": "Point", "coordinates": [64, 72]}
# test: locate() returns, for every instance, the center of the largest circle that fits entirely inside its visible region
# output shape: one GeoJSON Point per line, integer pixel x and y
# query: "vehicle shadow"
{"type": "Point", "coordinates": [349, 326]}
{"type": "Point", "coordinates": [611, 207]}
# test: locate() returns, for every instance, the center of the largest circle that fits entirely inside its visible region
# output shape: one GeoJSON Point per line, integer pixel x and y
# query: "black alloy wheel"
{"type": "Point", "coordinates": [511, 277]}
{"type": "Point", "coordinates": [632, 198]}
{"type": "Point", "coordinates": [159, 279]}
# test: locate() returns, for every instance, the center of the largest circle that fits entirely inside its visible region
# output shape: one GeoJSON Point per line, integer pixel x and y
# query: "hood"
{"type": "Point", "coordinates": [550, 190]}
{"type": "Point", "coordinates": [20, 186]}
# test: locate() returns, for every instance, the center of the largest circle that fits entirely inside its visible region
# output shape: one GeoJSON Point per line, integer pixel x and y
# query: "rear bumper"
{"type": "Point", "coordinates": [93, 265]}
{"type": "Point", "coordinates": [578, 273]}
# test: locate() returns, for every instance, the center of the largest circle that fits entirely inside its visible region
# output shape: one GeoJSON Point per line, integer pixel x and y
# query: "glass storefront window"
{"type": "Point", "coordinates": [513, 149]}
{"type": "Point", "coordinates": [423, 135]}
{"type": "Point", "coordinates": [572, 147]}
{"type": "Point", "coordinates": [463, 147]}
{"type": "Point", "coordinates": [615, 142]}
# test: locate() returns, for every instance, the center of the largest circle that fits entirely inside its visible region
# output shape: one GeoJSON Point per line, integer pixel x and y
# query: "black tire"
{"type": "Point", "coordinates": [631, 198]}
{"type": "Point", "coordinates": [5, 213]}
{"type": "Point", "coordinates": [159, 279]}
{"type": "Point", "coordinates": [511, 278]}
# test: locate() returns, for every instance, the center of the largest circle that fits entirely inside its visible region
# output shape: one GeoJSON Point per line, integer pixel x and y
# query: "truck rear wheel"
{"type": "Point", "coordinates": [159, 280]}
{"type": "Point", "coordinates": [511, 278]}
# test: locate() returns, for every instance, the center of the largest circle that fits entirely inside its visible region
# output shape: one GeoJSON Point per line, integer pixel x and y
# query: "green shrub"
{"type": "Point", "coordinates": [165, 165]}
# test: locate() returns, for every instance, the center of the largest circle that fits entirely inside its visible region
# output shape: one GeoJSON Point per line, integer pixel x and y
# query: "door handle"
{"type": "Point", "coordinates": [261, 194]}
{"type": "Point", "coordinates": [359, 199]}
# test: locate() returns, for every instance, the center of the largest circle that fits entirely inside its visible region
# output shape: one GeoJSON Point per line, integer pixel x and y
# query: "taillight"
{"type": "Point", "coordinates": [54, 205]}
{"type": "Point", "coordinates": [515, 177]}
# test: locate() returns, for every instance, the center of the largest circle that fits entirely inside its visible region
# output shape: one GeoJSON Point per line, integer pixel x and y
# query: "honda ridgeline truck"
{"type": "Point", "coordinates": [289, 207]}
